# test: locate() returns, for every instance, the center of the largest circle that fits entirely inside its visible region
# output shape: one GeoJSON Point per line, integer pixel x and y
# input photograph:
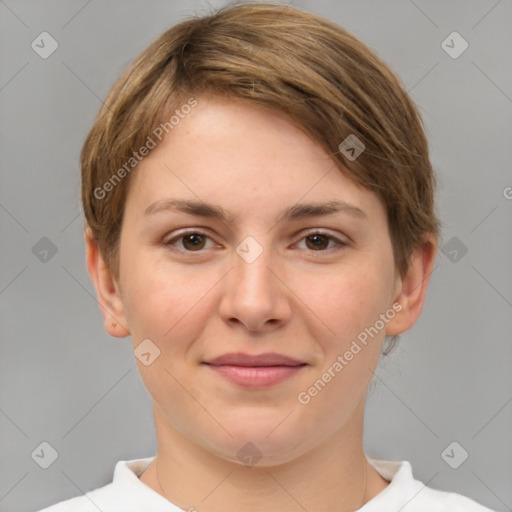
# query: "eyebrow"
{"type": "Point", "coordinates": [297, 211]}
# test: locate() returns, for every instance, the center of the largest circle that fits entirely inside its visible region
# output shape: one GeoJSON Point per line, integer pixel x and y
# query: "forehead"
{"type": "Point", "coordinates": [243, 158]}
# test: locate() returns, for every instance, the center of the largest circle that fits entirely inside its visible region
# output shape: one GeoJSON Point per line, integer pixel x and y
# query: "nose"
{"type": "Point", "coordinates": [254, 294]}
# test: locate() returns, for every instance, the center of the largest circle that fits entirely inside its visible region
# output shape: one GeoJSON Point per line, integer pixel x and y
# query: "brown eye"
{"type": "Point", "coordinates": [317, 241]}
{"type": "Point", "coordinates": [193, 241]}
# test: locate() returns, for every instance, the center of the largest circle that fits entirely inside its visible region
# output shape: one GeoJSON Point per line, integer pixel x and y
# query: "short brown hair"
{"type": "Point", "coordinates": [289, 61]}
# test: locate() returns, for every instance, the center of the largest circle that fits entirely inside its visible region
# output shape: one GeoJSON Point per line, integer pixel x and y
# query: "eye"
{"type": "Point", "coordinates": [318, 241]}
{"type": "Point", "coordinates": [196, 241]}
{"type": "Point", "coordinates": [190, 241]}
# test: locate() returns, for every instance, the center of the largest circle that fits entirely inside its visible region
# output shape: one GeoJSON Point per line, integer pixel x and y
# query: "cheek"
{"type": "Point", "coordinates": [347, 301]}
{"type": "Point", "coordinates": [168, 306]}
{"type": "Point", "coordinates": [349, 304]}
{"type": "Point", "coordinates": [164, 304]}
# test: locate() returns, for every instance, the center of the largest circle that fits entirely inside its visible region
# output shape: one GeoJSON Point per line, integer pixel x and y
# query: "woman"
{"type": "Point", "coordinates": [260, 220]}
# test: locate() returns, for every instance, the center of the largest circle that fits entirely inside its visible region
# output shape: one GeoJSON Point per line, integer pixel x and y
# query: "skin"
{"type": "Point", "coordinates": [294, 299]}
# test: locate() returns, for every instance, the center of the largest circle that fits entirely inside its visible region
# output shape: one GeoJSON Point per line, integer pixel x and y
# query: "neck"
{"type": "Point", "coordinates": [334, 476]}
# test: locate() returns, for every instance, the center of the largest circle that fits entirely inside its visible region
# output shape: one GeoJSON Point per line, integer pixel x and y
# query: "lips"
{"type": "Point", "coordinates": [240, 359]}
{"type": "Point", "coordinates": [255, 371]}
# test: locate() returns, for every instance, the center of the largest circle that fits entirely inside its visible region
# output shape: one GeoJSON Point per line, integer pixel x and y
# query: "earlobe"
{"type": "Point", "coordinates": [413, 286]}
{"type": "Point", "coordinates": [109, 298]}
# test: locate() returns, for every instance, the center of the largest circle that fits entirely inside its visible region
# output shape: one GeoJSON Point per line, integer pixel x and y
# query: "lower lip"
{"type": "Point", "coordinates": [256, 376]}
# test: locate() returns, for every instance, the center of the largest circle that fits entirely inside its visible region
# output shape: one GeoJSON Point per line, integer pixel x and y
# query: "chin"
{"type": "Point", "coordinates": [260, 445]}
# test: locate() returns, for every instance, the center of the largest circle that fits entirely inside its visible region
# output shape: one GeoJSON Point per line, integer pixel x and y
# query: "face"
{"type": "Point", "coordinates": [280, 292]}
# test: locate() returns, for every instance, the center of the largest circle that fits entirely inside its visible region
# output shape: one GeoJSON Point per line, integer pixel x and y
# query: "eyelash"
{"type": "Point", "coordinates": [169, 243]}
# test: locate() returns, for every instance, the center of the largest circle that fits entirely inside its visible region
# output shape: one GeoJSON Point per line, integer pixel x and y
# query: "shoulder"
{"type": "Point", "coordinates": [407, 494]}
{"type": "Point", "coordinates": [435, 500]}
{"type": "Point", "coordinates": [89, 502]}
{"type": "Point", "coordinates": [126, 493]}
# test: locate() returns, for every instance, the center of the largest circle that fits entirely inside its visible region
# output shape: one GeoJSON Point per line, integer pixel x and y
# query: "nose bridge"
{"type": "Point", "coordinates": [253, 295]}
{"type": "Point", "coordinates": [252, 274]}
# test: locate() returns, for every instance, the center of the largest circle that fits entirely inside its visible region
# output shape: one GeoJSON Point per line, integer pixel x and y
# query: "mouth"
{"type": "Point", "coordinates": [255, 371]}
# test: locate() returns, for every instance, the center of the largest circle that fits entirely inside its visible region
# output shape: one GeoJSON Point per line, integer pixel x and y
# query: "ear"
{"type": "Point", "coordinates": [109, 298]}
{"type": "Point", "coordinates": [411, 289]}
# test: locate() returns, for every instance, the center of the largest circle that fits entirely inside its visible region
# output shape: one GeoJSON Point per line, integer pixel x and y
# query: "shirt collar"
{"type": "Point", "coordinates": [401, 489]}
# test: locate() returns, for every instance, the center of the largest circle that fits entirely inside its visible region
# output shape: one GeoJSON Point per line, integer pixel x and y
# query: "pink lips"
{"type": "Point", "coordinates": [256, 371]}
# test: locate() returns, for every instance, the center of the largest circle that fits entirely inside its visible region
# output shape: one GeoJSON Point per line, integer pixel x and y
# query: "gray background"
{"type": "Point", "coordinates": [63, 380]}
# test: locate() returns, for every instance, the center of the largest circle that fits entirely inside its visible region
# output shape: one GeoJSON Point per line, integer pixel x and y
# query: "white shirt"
{"type": "Point", "coordinates": [127, 493]}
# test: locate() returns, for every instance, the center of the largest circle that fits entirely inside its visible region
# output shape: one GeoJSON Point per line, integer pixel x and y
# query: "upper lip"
{"type": "Point", "coordinates": [267, 359]}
